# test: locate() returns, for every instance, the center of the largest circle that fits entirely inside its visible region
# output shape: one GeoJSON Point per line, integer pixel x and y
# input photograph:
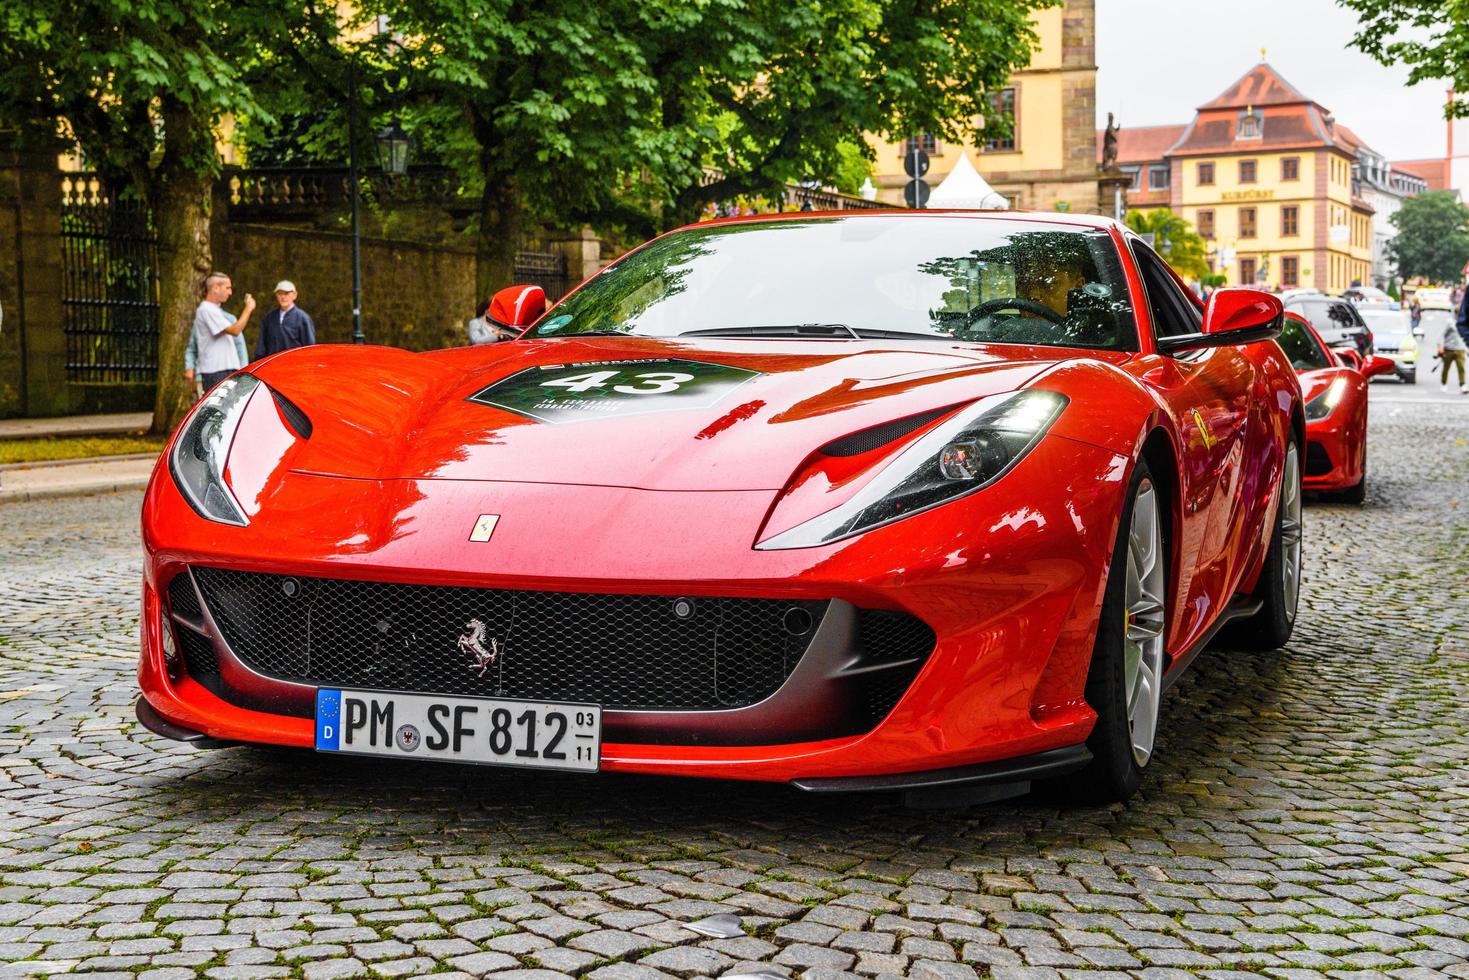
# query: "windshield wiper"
{"type": "Point", "coordinates": [816, 330]}
{"type": "Point", "coordinates": [779, 330]}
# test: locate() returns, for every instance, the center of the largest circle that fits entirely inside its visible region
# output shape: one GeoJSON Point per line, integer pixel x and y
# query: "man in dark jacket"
{"type": "Point", "coordinates": [290, 326]}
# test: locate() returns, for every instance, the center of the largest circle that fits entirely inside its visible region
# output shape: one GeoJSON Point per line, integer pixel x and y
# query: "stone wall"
{"type": "Point", "coordinates": [413, 295]}
{"type": "Point", "coordinates": [32, 344]}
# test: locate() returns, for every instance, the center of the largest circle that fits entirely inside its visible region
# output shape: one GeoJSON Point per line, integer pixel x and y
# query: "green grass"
{"type": "Point", "coordinates": [75, 447]}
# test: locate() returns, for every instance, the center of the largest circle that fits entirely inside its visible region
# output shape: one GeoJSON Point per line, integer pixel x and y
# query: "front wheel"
{"type": "Point", "coordinates": [1279, 588]}
{"type": "Point", "coordinates": [1125, 682]}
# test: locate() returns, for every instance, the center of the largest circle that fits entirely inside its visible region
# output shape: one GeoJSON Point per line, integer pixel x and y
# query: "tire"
{"type": "Point", "coordinates": [1279, 588]}
{"type": "Point", "coordinates": [1124, 684]}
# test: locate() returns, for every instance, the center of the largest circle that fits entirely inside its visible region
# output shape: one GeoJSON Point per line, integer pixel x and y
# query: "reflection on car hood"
{"type": "Point", "coordinates": [754, 411]}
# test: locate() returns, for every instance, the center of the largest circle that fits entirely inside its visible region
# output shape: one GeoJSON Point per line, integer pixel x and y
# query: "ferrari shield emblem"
{"type": "Point", "coordinates": [604, 389]}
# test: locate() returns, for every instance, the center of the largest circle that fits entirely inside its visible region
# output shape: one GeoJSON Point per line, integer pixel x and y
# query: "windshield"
{"type": "Point", "coordinates": [974, 279]}
{"type": "Point", "coordinates": [1301, 347]}
{"type": "Point", "coordinates": [1330, 317]}
{"type": "Point", "coordinates": [1387, 323]}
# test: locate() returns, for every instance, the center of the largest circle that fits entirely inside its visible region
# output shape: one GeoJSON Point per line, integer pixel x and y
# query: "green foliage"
{"type": "Point", "coordinates": [141, 85]}
{"type": "Point", "coordinates": [1431, 37]}
{"type": "Point", "coordinates": [1174, 239]}
{"type": "Point", "coordinates": [1433, 237]}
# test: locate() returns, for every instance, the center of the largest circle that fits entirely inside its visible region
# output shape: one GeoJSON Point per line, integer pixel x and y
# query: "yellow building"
{"type": "Point", "coordinates": [1049, 162]}
{"type": "Point", "coordinates": [1266, 176]}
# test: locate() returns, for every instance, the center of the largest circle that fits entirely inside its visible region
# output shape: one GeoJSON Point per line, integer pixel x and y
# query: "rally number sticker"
{"type": "Point", "coordinates": [575, 392]}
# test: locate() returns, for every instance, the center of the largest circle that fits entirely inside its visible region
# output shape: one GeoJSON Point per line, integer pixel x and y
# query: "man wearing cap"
{"type": "Point", "coordinates": [290, 326]}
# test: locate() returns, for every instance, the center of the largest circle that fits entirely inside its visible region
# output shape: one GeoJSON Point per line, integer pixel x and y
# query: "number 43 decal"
{"type": "Point", "coordinates": [652, 382]}
{"type": "Point", "coordinates": [557, 393]}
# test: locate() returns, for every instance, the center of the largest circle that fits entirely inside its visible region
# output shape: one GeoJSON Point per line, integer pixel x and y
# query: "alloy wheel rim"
{"type": "Point", "coordinates": [1290, 531]}
{"type": "Point", "coordinates": [1142, 639]}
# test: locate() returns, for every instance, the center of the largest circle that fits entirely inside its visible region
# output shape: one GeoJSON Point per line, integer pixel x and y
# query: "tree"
{"type": "Point", "coordinates": [140, 85]}
{"type": "Point", "coordinates": [1431, 37]}
{"type": "Point", "coordinates": [1433, 237]}
{"type": "Point", "coordinates": [1174, 239]}
{"type": "Point", "coordinates": [640, 114]}
{"type": "Point", "coordinates": [767, 92]}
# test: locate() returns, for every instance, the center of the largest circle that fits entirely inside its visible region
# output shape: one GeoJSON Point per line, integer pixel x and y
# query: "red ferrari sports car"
{"type": "Point", "coordinates": [1334, 386]}
{"type": "Point", "coordinates": [919, 501]}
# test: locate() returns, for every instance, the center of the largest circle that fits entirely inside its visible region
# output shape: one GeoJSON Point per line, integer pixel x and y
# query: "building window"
{"type": "Point", "coordinates": [927, 143]}
{"type": "Point", "coordinates": [1251, 125]}
{"type": "Point", "coordinates": [1290, 168]}
{"type": "Point", "coordinates": [1206, 222]}
{"type": "Point", "coordinates": [1157, 178]}
{"type": "Point", "coordinates": [1247, 171]}
{"type": "Point", "coordinates": [1290, 271]}
{"type": "Point", "coordinates": [1002, 104]}
{"type": "Point", "coordinates": [1247, 222]}
{"type": "Point", "coordinates": [1136, 173]}
{"type": "Point", "coordinates": [1246, 272]}
{"type": "Point", "coordinates": [1206, 173]}
{"type": "Point", "coordinates": [1290, 220]}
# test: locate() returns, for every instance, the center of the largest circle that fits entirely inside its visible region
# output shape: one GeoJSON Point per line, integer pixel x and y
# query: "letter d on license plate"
{"type": "Point", "coordinates": [534, 734]}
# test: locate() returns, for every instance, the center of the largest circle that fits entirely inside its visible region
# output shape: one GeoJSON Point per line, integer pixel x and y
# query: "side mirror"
{"type": "Point", "coordinates": [1377, 364]}
{"type": "Point", "coordinates": [1348, 357]}
{"type": "Point", "coordinates": [517, 306]}
{"type": "Point", "coordinates": [1233, 315]}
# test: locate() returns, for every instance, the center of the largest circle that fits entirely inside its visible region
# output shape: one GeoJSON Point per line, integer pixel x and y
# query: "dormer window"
{"type": "Point", "coordinates": [1251, 124]}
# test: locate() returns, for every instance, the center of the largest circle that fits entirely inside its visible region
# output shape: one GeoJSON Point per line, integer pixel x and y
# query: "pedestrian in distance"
{"type": "Point", "coordinates": [285, 328]}
{"type": "Point", "coordinates": [1451, 350]}
{"type": "Point", "coordinates": [215, 330]}
{"type": "Point", "coordinates": [191, 359]}
{"type": "Point", "coordinates": [484, 330]}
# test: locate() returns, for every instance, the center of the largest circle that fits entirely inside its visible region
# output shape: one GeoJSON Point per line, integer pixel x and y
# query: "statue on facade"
{"type": "Point", "coordinates": [1109, 144]}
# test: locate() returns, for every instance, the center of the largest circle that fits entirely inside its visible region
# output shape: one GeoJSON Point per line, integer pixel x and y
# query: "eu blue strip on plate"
{"type": "Point", "coordinates": [328, 719]}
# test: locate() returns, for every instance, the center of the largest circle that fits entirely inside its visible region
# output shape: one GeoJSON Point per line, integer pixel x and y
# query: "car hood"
{"type": "Point", "coordinates": [752, 411]}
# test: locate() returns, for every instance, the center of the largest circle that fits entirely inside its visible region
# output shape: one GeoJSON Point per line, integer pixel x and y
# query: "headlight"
{"type": "Point", "coordinates": [1320, 406]}
{"type": "Point", "coordinates": [969, 451]}
{"type": "Point", "coordinates": [200, 451]}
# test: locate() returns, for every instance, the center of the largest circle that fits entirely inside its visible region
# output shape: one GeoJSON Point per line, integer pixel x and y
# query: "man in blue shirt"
{"type": "Point", "coordinates": [290, 326]}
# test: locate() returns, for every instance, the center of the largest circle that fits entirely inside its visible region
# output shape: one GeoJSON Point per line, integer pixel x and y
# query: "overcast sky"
{"type": "Point", "coordinates": [1158, 60]}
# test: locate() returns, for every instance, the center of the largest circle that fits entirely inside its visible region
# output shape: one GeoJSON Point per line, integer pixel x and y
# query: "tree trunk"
{"type": "Point", "coordinates": [181, 209]}
{"type": "Point", "coordinates": [499, 234]}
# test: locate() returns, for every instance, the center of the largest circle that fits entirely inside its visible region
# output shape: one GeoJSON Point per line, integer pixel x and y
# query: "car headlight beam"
{"type": "Point", "coordinates": [199, 453]}
{"type": "Point", "coordinates": [969, 451]}
{"type": "Point", "coordinates": [1321, 405]}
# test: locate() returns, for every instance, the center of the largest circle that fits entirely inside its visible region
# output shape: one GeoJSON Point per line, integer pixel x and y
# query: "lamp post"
{"type": "Point", "coordinates": [392, 149]}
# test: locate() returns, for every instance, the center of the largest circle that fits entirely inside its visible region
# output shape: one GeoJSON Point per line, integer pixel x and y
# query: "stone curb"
{"type": "Point", "coordinates": [22, 495]}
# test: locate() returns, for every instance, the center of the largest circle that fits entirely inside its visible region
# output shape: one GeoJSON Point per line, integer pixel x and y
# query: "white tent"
{"type": "Point", "coordinates": [965, 188]}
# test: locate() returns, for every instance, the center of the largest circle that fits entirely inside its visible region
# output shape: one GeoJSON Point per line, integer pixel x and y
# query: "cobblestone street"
{"type": "Point", "coordinates": [1307, 812]}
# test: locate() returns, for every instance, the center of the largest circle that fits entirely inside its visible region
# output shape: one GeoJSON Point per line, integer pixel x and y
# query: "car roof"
{"type": "Point", "coordinates": [1047, 217]}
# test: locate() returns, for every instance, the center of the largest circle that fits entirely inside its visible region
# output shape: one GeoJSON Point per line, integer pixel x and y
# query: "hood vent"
{"type": "Point", "coordinates": [866, 440]}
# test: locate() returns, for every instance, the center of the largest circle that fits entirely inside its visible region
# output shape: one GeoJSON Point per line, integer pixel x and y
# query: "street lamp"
{"type": "Point", "coordinates": [392, 149]}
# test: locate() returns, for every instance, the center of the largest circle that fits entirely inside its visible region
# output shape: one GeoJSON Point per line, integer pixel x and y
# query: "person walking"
{"type": "Point", "coordinates": [215, 330]}
{"type": "Point", "coordinates": [1451, 348]}
{"type": "Point", "coordinates": [284, 328]}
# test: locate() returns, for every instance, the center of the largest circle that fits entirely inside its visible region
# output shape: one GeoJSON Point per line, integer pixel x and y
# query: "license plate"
{"type": "Point", "coordinates": [532, 734]}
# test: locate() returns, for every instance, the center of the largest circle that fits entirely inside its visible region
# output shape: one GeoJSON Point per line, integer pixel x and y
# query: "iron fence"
{"type": "Point", "coordinates": [109, 260]}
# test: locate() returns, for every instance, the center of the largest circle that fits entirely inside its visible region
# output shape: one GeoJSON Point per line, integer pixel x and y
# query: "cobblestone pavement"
{"type": "Point", "coordinates": [1307, 813]}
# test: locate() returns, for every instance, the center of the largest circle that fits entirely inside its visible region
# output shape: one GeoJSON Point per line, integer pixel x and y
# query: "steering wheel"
{"type": "Point", "coordinates": [1014, 303]}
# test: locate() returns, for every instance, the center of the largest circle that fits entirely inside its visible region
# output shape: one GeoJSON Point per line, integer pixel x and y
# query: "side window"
{"type": "Point", "coordinates": [1172, 312]}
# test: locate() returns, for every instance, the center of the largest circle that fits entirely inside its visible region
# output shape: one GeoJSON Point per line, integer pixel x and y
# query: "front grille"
{"type": "Point", "coordinates": [1318, 461]}
{"type": "Point", "coordinates": [199, 657]}
{"type": "Point", "coordinates": [891, 638]}
{"type": "Point", "coordinates": [622, 651]}
{"type": "Point", "coordinates": [182, 600]}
